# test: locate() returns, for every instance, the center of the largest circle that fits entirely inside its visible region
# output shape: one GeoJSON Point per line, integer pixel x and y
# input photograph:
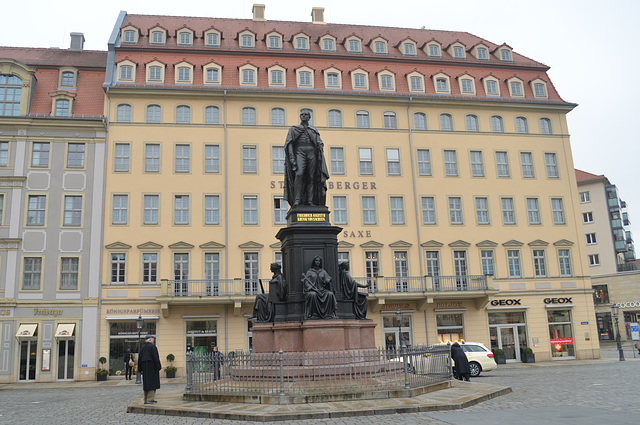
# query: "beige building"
{"type": "Point", "coordinates": [451, 176]}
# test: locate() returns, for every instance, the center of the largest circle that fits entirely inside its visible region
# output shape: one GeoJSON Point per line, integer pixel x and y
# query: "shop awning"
{"type": "Point", "coordinates": [26, 331]}
{"type": "Point", "coordinates": [65, 330]}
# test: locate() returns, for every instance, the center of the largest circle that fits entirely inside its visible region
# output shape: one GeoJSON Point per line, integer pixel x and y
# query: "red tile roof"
{"type": "Point", "coordinates": [583, 176]}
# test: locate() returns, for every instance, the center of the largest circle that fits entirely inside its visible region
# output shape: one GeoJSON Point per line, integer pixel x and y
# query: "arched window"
{"type": "Point", "coordinates": [154, 113]}
{"type": "Point", "coordinates": [277, 116]}
{"type": "Point", "coordinates": [390, 120]}
{"type": "Point", "coordinates": [67, 79]}
{"type": "Point", "coordinates": [62, 109]}
{"type": "Point", "coordinates": [124, 113]}
{"type": "Point", "coordinates": [521, 125]}
{"type": "Point", "coordinates": [362, 119]}
{"type": "Point", "coordinates": [472, 123]}
{"type": "Point", "coordinates": [212, 115]}
{"type": "Point", "coordinates": [545, 126]}
{"type": "Point", "coordinates": [248, 116]}
{"type": "Point", "coordinates": [335, 118]}
{"type": "Point", "coordinates": [10, 94]}
{"type": "Point", "coordinates": [183, 114]}
{"type": "Point", "coordinates": [446, 122]}
{"type": "Point", "coordinates": [496, 124]}
{"type": "Point", "coordinates": [419, 121]}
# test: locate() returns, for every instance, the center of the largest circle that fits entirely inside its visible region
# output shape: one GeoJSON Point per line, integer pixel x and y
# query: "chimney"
{"type": "Point", "coordinates": [77, 42]}
{"type": "Point", "coordinates": [258, 12]}
{"type": "Point", "coordinates": [317, 15]}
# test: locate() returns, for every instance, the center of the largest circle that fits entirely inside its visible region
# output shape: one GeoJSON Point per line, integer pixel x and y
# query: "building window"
{"type": "Point", "coordinates": [442, 85]}
{"type": "Point", "coordinates": [126, 73]}
{"type": "Point", "coordinates": [211, 115]}
{"type": "Point", "coordinates": [354, 46]}
{"type": "Point", "coordinates": [393, 162]}
{"type": "Point", "coordinates": [129, 36]}
{"type": "Point", "coordinates": [157, 37]}
{"type": "Point", "coordinates": [250, 209]}
{"type": "Point", "coordinates": [496, 124]}
{"type": "Point", "coordinates": [594, 260]}
{"type": "Point", "coordinates": [69, 268]}
{"type": "Point", "coordinates": [1, 207]}
{"type": "Point", "coordinates": [181, 273]}
{"type": "Point", "coordinates": [211, 209]}
{"type": "Point", "coordinates": [337, 160]}
{"type": "Point", "coordinates": [434, 50]}
{"type": "Point", "coordinates": [328, 44]}
{"type": "Point", "coordinates": [446, 122]}
{"type": "Point", "coordinates": [587, 217]}
{"type": "Point", "coordinates": [450, 163]}
{"type": "Point", "coordinates": [505, 55]}
{"type": "Point", "coordinates": [67, 79]}
{"type": "Point", "coordinates": [335, 118]}
{"type": "Point", "coordinates": [153, 113]}
{"type": "Point", "coordinates": [151, 209]}
{"type": "Point", "coordinates": [591, 238]}
{"type": "Point", "coordinates": [467, 86]}
{"type": "Point", "coordinates": [472, 123]}
{"type": "Point", "coordinates": [416, 83]}
{"type": "Point", "coordinates": [359, 81]}
{"type": "Point", "coordinates": [251, 273]}
{"type": "Point", "coordinates": [301, 43]}
{"type": "Point", "coordinates": [366, 162]}
{"type": "Point", "coordinates": [477, 166]}
{"type": "Point", "coordinates": [333, 80]}
{"type": "Point", "coordinates": [62, 108]}
{"type": "Point", "coordinates": [37, 210]}
{"type": "Point", "coordinates": [455, 210]}
{"type": "Point", "coordinates": [545, 126]}
{"type": "Point", "coordinates": [492, 87]}
{"type": "Point", "coordinates": [212, 75]}
{"type": "Point", "coordinates": [183, 158]}
{"type": "Point", "coordinates": [32, 272]}
{"type": "Point", "coordinates": [155, 73]}
{"type": "Point", "coordinates": [277, 159]}
{"type": "Point", "coordinates": [419, 121]}
{"type": "Point", "coordinates": [409, 49]}
{"type": "Point", "coordinates": [40, 154]}
{"type": "Point", "coordinates": [152, 158]}
{"type": "Point", "coordinates": [513, 260]}
{"type": "Point", "coordinates": [483, 54]}
{"type": "Point", "coordinates": [246, 40]}
{"type": "Point", "coordinates": [565, 262]}
{"type": "Point", "coordinates": [482, 210]}
{"type": "Point", "coordinates": [533, 211]}
{"type": "Point", "coordinates": [213, 39]}
{"type": "Point", "coordinates": [184, 74]}
{"type": "Point", "coordinates": [249, 159]}
{"type": "Point", "coordinates": [386, 82]}
{"type": "Point", "coordinates": [390, 120]}
{"type": "Point", "coordinates": [211, 158]}
{"type": "Point", "coordinates": [539, 90]}
{"type": "Point", "coordinates": [118, 268]}
{"type": "Point", "coordinates": [521, 125]}
{"type": "Point", "coordinates": [362, 119]}
{"type": "Point", "coordinates": [149, 268]}
{"type": "Point", "coordinates": [4, 154]}
{"type": "Point", "coordinates": [397, 210]}
{"type": "Point", "coordinates": [248, 76]}
{"type": "Point", "coordinates": [340, 210]}
{"type": "Point", "coordinates": [124, 113]}
{"type": "Point", "coordinates": [539, 263]}
{"type": "Point", "coordinates": [502, 164]}
{"type": "Point", "coordinates": [433, 268]}
{"type": "Point", "coordinates": [75, 155]}
{"type": "Point", "coordinates": [368, 210]}
{"type": "Point", "coordinates": [72, 210]}
{"type": "Point", "coordinates": [558, 210]}
{"type": "Point", "coordinates": [526, 160]}
{"type": "Point", "coordinates": [248, 116]}
{"type": "Point", "coordinates": [428, 210]}
{"type": "Point", "coordinates": [458, 52]}
{"type": "Point", "coordinates": [10, 95]}
{"type": "Point", "coordinates": [424, 162]}
{"type": "Point", "coordinates": [120, 209]}
{"type": "Point", "coordinates": [508, 212]}
{"type": "Point", "coordinates": [487, 262]}
{"type": "Point", "coordinates": [212, 272]}
{"type": "Point", "coordinates": [552, 165]}
{"type": "Point", "coordinates": [274, 42]}
{"type": "Point", "coordinates": [279, 210]}
{"type": "Point", "coordinates": [183, 114]}
{"type": "Point", "coordinates": [277, 116]}
{"type": "Point", "coordinates": [305, 78]}
{"type": "Point", "coordinates": [181, 209]}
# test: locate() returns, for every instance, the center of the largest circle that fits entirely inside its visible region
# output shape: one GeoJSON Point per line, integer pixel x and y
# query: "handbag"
{"type": "Point", "coordinates": [131, 363]}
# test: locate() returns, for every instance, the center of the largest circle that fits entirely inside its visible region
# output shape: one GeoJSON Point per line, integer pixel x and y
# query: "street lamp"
{"type": "Point", "coordinates": [615, 309]}
{"type": "Point", "coordinates": [139, 325]}
{"type": "Point", "coordinates": [399, 319]}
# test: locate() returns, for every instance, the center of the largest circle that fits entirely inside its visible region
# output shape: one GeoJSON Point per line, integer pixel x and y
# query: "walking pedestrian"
{"type": "Point", "coordinates": [149, 366]}
{"type": "Point", "coordinates": [129, 362]}
{"type": "Point", "coordinates": [217, 363]}
{"type": "Point", "coordinates": [463, 372]}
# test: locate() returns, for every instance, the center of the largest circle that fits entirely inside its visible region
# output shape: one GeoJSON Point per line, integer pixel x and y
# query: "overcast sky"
{"type": "Point", "coordinates": [588, 44]}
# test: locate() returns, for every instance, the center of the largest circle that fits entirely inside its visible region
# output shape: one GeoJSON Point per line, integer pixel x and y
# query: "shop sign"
{"type": "Point", "coordinates": [135, 311]}
{"type": "Point", "coordinates": [47, 312]}
{"type": "Point", "coordinates": [558, 300]}
{"type": "Point", "coordinates": [6, 312]}
{"type": "Point", "coordinates": [340, 185]}
{"type": "Point", "coordinates": [629, 304]}
{"type": "Point", "coordinates": [604, 334]}
{"type": "Point", "coordinates": [357, 234]}
{"type": "Point", "coordinates": [457, 304]}
{"type": "Point", "coordinates": [396, 306]}
{"type": "Point", "coordinates": [562, 341]}
{"type": "Point", "coordinates": [506, 302]}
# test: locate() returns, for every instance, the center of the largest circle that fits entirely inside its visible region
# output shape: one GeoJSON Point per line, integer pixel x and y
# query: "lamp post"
{"type": "Point", "coordinates": [139, 325]}
{"type": "Point", "coordinates": [615, 309]}
{"type": "Point", "coordinates": [399, 319]}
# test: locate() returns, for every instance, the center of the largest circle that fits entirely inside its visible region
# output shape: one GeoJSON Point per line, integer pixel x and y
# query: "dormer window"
{"type": "Point", "coordinates": [491, 87]}
{"type": "Point", "coordinates": [67, 79]}
{"type": "Point", "coordinates": [483, 53]}
{"type": "Point", "coordinates": [274, 42]}
{"type": "Point", "coordinates": [416, 82]}
{"type": "Point", "coordinates": [353, 46]}
{"type": "Point", "coordinates": [328, 44]}
{"type": "Point", "coordinates": [62, 108]}
{"type": "Point", "coordinates": [458, 52]}
{"type": "Point", "coordinates": [155, 71]}
{"type": "Point", "coordinates": [409, 49]}
{"type": "Point", "coordinates": [380, 47]}
{"type": "Point", "coordinates": [333, 79]}
{"type": "Point", "coordinates": [126, 73]}
{"type": "Point", "coordinates": [441, 85]}
{"type": "Point", "coordinates": [539, 89]}
{"type": "Point", "coordinates": [360, 80]}
{"type": "Point", "coordinates": [157, 37]}
{"type": "Point", "coordinates": [129, 36]}
{"type": "Point", "coordinates": [305, 78]}
{"type": "Point", "coordinates": [212, 38]}
{"type": "Point", "coordinates": [277, 76]}
{"type": "Point", "coordinates": [434, 50]}
{"type": "Point", "coordinates": [185, 38]}
{"type": "Point", "coordinates": [212, 73]}
{"type": "Point", "coordinates": [386, 81]}
{"type": "Point", "coordinates": [516, 88]}
{"type": "Point", "coordinates": [184, 74]}
{"type": "Point", "coordinates": [246, 40]}
{"type": "Point", "coordinates": [505, 55]}
{"type": "Point", "coordinates": [302, 43]}
{"type": "Point", "coordinates": [466, 86]}
{"type": "Point", "coordinates": [248, 76]}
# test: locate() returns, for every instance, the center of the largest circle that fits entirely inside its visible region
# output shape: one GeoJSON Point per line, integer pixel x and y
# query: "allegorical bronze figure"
{"type": "Point", "coordinates": [305, 168]}
{"type": "Point", "coordinates": [263, 307]}
{"type": "Point", "coordinates": [349, 288]}
{"type": "Point", "coordinates": [320, 302]}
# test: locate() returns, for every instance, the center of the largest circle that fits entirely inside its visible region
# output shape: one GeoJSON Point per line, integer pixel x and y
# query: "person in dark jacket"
{"type": "Point", "coordinates": [462, 372]}
{"type": "Point", "coordinates": [128, 369]}
{"type": "Point", "coordinates": [149, 365]}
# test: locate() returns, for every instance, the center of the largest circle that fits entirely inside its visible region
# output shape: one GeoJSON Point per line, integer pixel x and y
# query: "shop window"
{"type": "Point", "coordinates": [600, 294]}
{"type": "Point", "coordinates": [450, 327]}
{"type": "Point", "coordinates": [397, 331]}
{"type": "Point", "coordinates": [560, 333]}
{"type": "Point", "coordinates": [201, 336]}
{"type": "Point", "coordinates": [123, 337]}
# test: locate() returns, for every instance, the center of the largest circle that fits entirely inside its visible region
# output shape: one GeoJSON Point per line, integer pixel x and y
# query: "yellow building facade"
{"type": "Point", "coordinates": [458, 206]}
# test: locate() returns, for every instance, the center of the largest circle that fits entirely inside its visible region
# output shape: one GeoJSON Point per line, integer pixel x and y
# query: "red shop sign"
{"type": "Point", "coordinates": [562, 341]}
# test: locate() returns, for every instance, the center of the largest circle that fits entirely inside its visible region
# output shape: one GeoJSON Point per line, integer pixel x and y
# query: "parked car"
{"type": "Point", "coordinates": [480, 357]}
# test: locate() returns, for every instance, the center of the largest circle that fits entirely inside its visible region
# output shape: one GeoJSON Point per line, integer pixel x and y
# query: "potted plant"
{"type": "Point", "coordinates": [171, 369]}
{"type": "Point", "coordinates": [498, 353]}
{"type": "Point", "coordinates": [528, 356]}
{"type": "Point", "coordinates": [102, 373]}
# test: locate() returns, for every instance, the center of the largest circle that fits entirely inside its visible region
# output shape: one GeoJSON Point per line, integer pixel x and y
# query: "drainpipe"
{"type": "Point", "coordinates": [226, 190]}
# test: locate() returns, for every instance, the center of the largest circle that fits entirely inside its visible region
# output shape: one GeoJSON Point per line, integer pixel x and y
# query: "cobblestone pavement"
{"type": "Point", "coordinates": [584, 392]}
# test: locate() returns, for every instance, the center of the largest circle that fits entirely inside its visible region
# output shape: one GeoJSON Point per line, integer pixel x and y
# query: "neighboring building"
{"type": "Point", "coordinates": [610, 253]}
{"type": "Point", "coordinates": [52, 146]}
{"type": "Point", "coordinates": [451, 174]}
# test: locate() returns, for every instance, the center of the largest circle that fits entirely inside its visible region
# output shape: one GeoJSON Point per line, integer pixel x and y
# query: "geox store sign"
{"type": "Point", "coordinates": [557, 300]}
{"type": "Point", "coordinates": [506, 302]}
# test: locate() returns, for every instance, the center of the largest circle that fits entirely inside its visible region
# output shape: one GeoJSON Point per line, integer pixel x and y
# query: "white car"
{"type": "Point", "coordinates": [480, 357]}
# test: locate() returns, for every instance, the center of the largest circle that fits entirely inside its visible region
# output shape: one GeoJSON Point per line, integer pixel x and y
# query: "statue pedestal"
{"type": "Point", "coordinates": [314, 335]}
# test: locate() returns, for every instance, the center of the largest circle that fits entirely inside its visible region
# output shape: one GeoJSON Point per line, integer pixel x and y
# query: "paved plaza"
{"type": "Point", "coordinates": [585, 392]}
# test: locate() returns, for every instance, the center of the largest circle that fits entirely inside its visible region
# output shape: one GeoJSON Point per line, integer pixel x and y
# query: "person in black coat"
{"type": "Point", "coordinates": [462, 370]}
{"type": "Point", "coordinates": [128, 369]}
{"type": "Point", "coordinates": [149, 365]}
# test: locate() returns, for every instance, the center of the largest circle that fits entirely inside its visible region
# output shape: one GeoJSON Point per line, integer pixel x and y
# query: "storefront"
{"type": "Point", "coordinates": [508, 332]}
{"type": "Point", "coordinates": [123, 337]}
{"type": "Point", "coordinates": [561, 333]}
{"type": "Point", "coordinates": [201, 334]}
{"type": "Point", "coordinates": [66, 347]}
{"type": "Point", "coordinates": [27, 337]}
{"type": "Point", "coordinates": [397, 328]}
